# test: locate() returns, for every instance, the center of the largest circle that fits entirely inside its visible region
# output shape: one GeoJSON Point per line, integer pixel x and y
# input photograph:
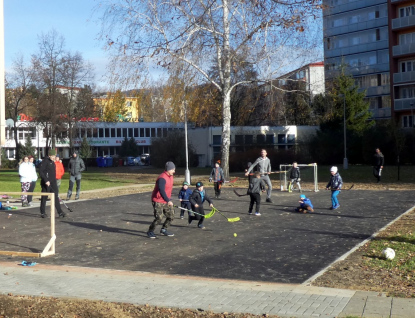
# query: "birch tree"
{"type": "Point", "coordinates": [208, 34]}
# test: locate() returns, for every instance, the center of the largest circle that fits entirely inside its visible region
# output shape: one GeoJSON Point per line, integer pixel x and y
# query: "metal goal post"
{"type": "Point", "coordinates": [309, 179]}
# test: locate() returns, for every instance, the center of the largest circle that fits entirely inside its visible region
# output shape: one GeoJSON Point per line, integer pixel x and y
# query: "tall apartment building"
{"type": "Point", "coordinates": [402, 61]}
{"type": "Point", "coordinates": [356, 36]}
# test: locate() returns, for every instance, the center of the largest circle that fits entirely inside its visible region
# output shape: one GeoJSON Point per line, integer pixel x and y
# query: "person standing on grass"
{"type": "Point", "coordinates": [217, 177]}
{"type": "Point", "coordinates": [25, 173]}
{"type": "Point", "coordinates": [378, 162]}
{"type": "Point", "coordinates": [335, 185]}
{"type": "Point", "coordinates": [75, 167]}
{"type": "Point", "coordinates": [47, 173]}
{"type": "Point", "coordinates": [34, 179]}
{"type": "Point", "coordinates": [162, 203]}
{"type": "Point", "coordinates": [264, 168]}
{"type": "Point", "coordinates": [60, 171]}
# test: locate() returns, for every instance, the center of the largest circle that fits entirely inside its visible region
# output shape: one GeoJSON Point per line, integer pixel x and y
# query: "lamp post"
{"type": "Point", "coordinates": [187, 171]}
{"type": "Point", "coordinates": [345, 162]}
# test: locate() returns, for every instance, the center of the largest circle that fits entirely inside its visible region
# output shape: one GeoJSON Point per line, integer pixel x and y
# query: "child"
{"type": "Point", "coordinates": [305, 205]}
{"type": "Point", "coordinates": [335, 184]}
{"type": "Point", "coordinates": [196, 199]}
{"type": "Point", "coordinates": [295, 177]}
{"type": "Point", "coordinates": [184, 196]}
{"type": "Point", "coordinates": [217, 177]}
{"type": "Point", "coordinates": [255, 187]}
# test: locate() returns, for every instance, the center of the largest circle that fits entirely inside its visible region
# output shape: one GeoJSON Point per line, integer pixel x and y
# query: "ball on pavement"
{"type": "Point", "coordinates": [388, 253]}
{"type": "Point", "coordinates": [234, 234]}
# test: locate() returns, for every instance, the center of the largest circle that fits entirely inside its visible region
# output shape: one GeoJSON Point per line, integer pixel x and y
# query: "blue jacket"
{"type": "Point", "coordinates": [185, 194]}
{"type": "Point", "coordinates": [335, 183]}
{"type": "Point", "coordinates": [306, 201]}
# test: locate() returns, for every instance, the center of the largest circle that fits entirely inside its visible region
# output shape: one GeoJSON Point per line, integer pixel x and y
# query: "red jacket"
{"type": "Point", "coordinates": [162, 190]}
{"type": "Point", "coordinates": [60, 170]}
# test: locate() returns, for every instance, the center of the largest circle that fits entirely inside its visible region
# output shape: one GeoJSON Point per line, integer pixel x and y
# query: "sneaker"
{"type": "Point", "coordinates": [77, 197]}
{"type": "Point", "coordinates": [181, 217]}
{"type": "Point", "coordinates": [250, 212]}
{"type": "Point", "coordinates": [151, 235]}
{"type": "Point", "coordinates": [62, 215]}
{"type": "Point", "coordinates": [269, 200]}
{"type": "Point", "coordinates": [166, 233]}
{"type": "Point", "coordinates": [336, 207]}
{"type": "Point", "coordinates": [43, 215]}
{"type": "Point", "coordinates": [189, 220]}
{"type": "Point", "coordinates": [25, 204]}
{"type": "Point", "coordinates": [30, 204]}
{"type": "Point", "coordinates": [218, 196]}
{"type": "Point", "coordinates": [68, 198]}
{"type": "Point", "coordinates": [257, 213]}
{"type": "Point", "coordinates": [201, 226]}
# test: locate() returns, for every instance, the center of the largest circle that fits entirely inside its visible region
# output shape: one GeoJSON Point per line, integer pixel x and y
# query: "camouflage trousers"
{"type": "Point", "coordinates": [161, 209]}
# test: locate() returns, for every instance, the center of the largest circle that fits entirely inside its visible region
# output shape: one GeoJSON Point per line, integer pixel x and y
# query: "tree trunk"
{"type": "Point", "coordinates": [226, 134]}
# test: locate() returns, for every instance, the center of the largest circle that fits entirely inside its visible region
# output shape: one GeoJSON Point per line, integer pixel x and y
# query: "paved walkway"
{"type": "Point", "coordinates": [215, 295]}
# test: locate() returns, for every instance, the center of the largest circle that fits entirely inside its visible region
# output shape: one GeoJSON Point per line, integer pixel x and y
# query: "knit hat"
{"type": "Point", "coordinates": [199, 184]}
{"type": "Point", "coordinates": [302, 196]}
{"type": "Point", "coordinates": [333, 169]}
{"type": "Point", "coordinates": [185, 183]}
{"type": "Point", "coordinates": [52, 152]}
{"type": "Point", "coordinates": [169, 166]}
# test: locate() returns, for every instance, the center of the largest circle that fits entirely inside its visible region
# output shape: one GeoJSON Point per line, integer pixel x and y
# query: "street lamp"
{"type": "Point", "coordinates": [345, 162]}
{"type": "Point", "coordinates": [187, 171]}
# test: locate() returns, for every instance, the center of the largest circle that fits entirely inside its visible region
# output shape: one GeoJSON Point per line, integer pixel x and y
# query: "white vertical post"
{"type": "Point", "coordinates": [187, 172]}
{"type": "Point", "coordinates": [2, 88]}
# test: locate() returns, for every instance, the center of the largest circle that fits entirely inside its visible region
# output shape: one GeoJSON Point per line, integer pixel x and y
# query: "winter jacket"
{"type": "Point", "coordinates": [264, 165]}
{"type": "Point", "coordinates": [198, 197]}
{"type": "Point", "coordinates": [185, 194]}
{"type": "Point", "coordinates": [60, 170]}
{"type": "Point", "coordinates": [163, 188]}
{"type": "Point", "coordinates": [76, 166]}
{"type": "Point", "coordinates": [217, 175]}
{"type": "Point", "coordinates": [336, 182]}
{"type": "Point", "coordinates": [33, 171]}
{"type": "Point", "coordinates": [256, 186]}
{"type": "Point", "coordinates": [25, 172]}
{"type": "Point", "coordinates": [295, 173]}
{"type": "Point", "coordinates": [47, 171]}
{"type": "Point", "coordinates": [378, 159]}
{"type": "Point", "coordinates": [306, 201]}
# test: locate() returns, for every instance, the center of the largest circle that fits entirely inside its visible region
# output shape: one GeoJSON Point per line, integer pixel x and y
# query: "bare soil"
{"type": "Point", "coordinates": [351, 273]}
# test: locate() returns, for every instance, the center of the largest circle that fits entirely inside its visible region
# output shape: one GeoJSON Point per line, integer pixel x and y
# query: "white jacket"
{"type": "Point", "coordinates": [34, 173]}
{"type": "Point", "coordinates": [25, 172]}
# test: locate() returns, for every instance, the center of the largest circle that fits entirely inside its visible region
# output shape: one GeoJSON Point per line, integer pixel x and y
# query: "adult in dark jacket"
{"type": "Point", "coordinates": [47, 173]}
{"type": "Point", "coordinates": [162, 202]}
{"type": "Point", "coordinates": [378, 161]}
{"type": "Point", "coordinates": [75, 167]}
{"type": "Point", "coordinates": [197, 198]}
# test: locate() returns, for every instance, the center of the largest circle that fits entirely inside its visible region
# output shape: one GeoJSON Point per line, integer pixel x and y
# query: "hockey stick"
{"type": "Point", "coordinates": [351, 187]}
{"type": "Point", "coordinates": [233, 180]}
{"type": "Point", "coordinates": [206, 216]}
{"type": "Point", "coordinates": [60, 200]}
{"type": "Point", "coordinates": [229, 219]}
{"type": "Point", "coordinates": [239, 195]}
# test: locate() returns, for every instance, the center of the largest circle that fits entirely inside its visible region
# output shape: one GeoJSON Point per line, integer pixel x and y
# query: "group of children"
{"type": "Point", "coordinates": [192, 201]}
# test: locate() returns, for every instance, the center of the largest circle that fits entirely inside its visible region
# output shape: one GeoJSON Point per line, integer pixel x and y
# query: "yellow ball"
{"type": "Point", "coordinates": [234, 234]}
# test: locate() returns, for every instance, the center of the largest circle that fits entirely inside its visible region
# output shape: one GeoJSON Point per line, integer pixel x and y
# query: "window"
{"type": "Point", "coordinates": [119, 132]}
{"type": "Point", "coordinates": [124, 132]}
{"type": "Point", "coordinates": [260, 139]}
{"type": "Point", "coordinates": [142, 132]}
{"type": "Point", "coordinates": [217, 139]}
{"type": "Point", "coordinates": [290, 138]}
{"type": "Point", "coordinates": [113, 135]}
{"type": "Point", "coordinates": [136, 133]}
{"type": "Point", "coordinates": [270, 139]}
{"type": "Point", "coordinates": [129, 103]}
{"type": "Point", "coordinates": [281, 139]}
{"type": "Point", "coordinates": [106, 132]}
{"type": "Point", "coordinates": [153, 132]}
{"type": "Point", "coordinates": [249, 139]}
{"type": "Point", "coordinates": [159, 132]}
{"type": "Point", "coordinates": [407, 121]}
{"type": "Point", "coordinates": [130, 132]}
{"type": "Point", "coordinates": [239, 139]}
{"type": "Point", "coordinates": [377, 35]}
{"type": "Point", "coordinates": [100, 132]}
{"type": "Point", "coordinates": [148, 132]}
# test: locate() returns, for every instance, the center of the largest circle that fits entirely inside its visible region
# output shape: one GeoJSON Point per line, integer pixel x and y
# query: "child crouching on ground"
{"type": "Point", "coordinates": [305, 205]}
{"type": "Point", "coordinates": [184, 196]}
{"type": "Point", "coordinates": [197, 198]}
{"type": "Point", "coordinates": [335, 184]}
{"type": "Point", "coordinates": [256, 185]}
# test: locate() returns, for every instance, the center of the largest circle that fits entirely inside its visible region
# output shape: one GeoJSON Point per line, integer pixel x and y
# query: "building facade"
{"type": "Point", "coordinates": [356, 36]}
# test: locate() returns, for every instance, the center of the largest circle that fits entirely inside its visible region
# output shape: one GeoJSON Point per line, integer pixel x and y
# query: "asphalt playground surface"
{"type": "Point", "coordinates": [279, 246]}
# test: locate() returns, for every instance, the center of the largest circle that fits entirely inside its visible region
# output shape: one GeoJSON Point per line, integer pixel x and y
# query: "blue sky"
{"type": "Point", "coordinates": [25, 20]}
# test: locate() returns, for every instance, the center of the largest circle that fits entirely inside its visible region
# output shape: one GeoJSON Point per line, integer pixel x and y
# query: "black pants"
{"type": "Point", "coordinates": [31, 189]}
{"type": "Point", "coordinates": [53, 188]}
{"type": "Point", "coordinates": [199, 217]}
{"type": "Point", "coordinates": [185, 205]}
{"type": "Point", "coordinates": [217, 186]}
{"type": "Point", "coordinates": [255, 198]}
{"type": "Point", "coordinates": [377, 171]}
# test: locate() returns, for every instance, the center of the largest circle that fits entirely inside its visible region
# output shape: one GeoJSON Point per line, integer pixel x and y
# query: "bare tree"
{"type": "Point", "coordinates": [19, 99]}
{"type": "Point", "coordinates": [208, 34]}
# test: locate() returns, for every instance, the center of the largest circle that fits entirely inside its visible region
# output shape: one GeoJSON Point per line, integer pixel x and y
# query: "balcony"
{"type": "Point", "coordinates": [377, 90]}
{"type": "Point", "coordinates": [400, 23]}
{"type": "Point", "coordinates": [354, 27]}
{"type": "Point", "coordinates": [404, 104]}
{"type": "Point", "coordinates": [354, 5]}
{"type": "Point", "coordinates": [399, 78]}
{"type": "Point", "coordinates": [403, 49]}
{"type": "Point", "coordinates": [354, 49]}
{"type": "Point", "coordinates": [381, 113]}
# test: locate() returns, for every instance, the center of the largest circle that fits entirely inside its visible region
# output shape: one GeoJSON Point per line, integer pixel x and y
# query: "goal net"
{"type": "Point", "coordinates": [308, 177]}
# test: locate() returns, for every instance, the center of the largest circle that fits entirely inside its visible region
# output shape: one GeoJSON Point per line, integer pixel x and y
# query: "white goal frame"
{"type": "Point", "coordinates": [50, 247]}
{"type": "Point", "coordinates": [285, 168]}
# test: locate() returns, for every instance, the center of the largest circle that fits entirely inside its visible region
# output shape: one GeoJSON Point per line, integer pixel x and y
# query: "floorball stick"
{"type": "Point", "coordinates": [206, 216]}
